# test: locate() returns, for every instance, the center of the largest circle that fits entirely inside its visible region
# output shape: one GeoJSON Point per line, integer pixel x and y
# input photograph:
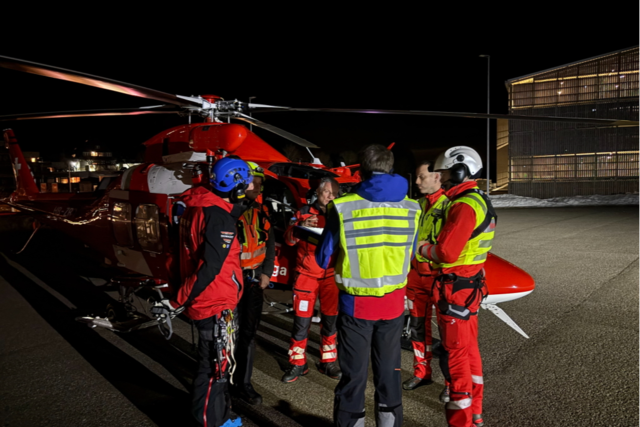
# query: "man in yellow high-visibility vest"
{"type": "Point", "coordinates": [422, 275]}
{"type": "Point", "coordinates": [372, 231]}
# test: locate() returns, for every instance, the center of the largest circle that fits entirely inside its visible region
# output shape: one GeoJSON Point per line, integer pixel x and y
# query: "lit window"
{"type": "Point", "coordinates": [148, 228]}
{"type": "Point", "coordinates": [94, 154]}
{"type": "Point", "coordinates": [75, 179]}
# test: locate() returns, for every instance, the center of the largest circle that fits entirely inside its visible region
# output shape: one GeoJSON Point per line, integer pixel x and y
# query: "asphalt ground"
{"type": "Point", "coordinates": [580, 366]}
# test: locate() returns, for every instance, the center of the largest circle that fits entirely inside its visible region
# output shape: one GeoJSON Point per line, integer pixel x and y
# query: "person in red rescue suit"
{"type": "Point", "coordinates": [422, 275]}
{"type": "Point", "coordinates": [460, 252]}
{"type": "Point", "coordinates": [257, 261]}
{"type": "Point", "coordinates": [212, 283]}
{"type": "Point", "coordinates": [312, 281]}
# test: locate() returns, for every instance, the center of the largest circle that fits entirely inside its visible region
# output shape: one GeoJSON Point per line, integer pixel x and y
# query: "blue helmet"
{"type": "Point", "coordinates": [231, 176]}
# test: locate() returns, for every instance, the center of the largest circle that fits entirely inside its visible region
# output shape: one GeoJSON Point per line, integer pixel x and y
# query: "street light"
{"type": "Point", "coordinates": [250, 125]}
{"type": "Point", "coordinates": [488, 110]}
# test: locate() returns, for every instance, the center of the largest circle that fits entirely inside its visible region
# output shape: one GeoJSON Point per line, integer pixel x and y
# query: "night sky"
{"type": "Point", "coordinates": [385, 58]}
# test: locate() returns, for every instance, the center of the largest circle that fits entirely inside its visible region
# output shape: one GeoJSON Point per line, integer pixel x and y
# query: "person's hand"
{"type": "Point", "coordinates": [163, 308]}
{"type": "Point", "coordinates": [264, 281]}
{"type": "Point", "coordinates": [312, 221]}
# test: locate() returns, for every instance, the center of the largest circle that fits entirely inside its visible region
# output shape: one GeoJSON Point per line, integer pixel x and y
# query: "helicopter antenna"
{"type": "Point", "coordinates": [315, 161]}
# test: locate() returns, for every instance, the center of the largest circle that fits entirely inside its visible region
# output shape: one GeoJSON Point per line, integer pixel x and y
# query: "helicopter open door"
{"type": "Point", "coordinates": [278, 197]}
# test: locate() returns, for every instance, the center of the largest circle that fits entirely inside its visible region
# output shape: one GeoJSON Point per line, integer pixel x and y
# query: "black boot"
{"type": "Point", "coordinates": [416, 382]}
{"type": "Point", "coordinates": [247, 393]}
{"type": "Point", "coordinates": [330, 369]}
{"type": "Point", "coordinates": [477, 420]}
{"type": "Point", "coordinates": [294, 372]}
{"type": "Point", "coordinates": [445, 396]}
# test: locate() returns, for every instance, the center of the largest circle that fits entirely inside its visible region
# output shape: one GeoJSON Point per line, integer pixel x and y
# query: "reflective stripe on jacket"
{"type": "Point", "coordinates": [254, 228]}
{"type": "Point", "coordinates": [376, 240]}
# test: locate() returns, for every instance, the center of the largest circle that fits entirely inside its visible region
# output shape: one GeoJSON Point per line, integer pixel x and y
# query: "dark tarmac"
{"type": "Point", "coordinates": [580, 366]}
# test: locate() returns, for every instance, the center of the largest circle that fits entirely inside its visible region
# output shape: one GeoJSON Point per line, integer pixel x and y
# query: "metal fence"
{"type": "Point", "coordinates": [549, 159]}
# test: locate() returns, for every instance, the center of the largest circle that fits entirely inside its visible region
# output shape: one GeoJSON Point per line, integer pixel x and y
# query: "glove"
{"type": "Point", "coordinates": [163, 308]}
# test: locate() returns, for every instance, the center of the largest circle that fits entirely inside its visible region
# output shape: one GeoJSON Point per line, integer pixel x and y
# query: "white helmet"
{"type": "Point", "coordinates": [468, 159]}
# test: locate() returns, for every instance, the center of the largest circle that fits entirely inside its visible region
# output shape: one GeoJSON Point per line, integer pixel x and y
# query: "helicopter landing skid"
{"type": "Point", "coordinates": [123, 327]}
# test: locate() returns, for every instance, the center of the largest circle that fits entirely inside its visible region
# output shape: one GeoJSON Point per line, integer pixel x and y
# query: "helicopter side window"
{"type": "Point", "coordinates": [148, 228]}
{"type": "Point", "coordinates": [121, 222]}
{"type": "Point", "coordinates": [278, 198]}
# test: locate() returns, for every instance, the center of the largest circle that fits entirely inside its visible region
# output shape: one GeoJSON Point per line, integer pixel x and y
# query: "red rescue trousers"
{"type": "Point", "coordinates": [305, 291]}
{"type": "Point", "coordinates": [421, 309]}
{"type": "Point", "coordinates": [462, 367]}
{"type": "Point", "coordinates": [458, 300]}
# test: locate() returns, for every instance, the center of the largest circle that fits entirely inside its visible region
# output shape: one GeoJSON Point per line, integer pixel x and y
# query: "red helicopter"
{"type": "Point", "coordinates": [129, 219]}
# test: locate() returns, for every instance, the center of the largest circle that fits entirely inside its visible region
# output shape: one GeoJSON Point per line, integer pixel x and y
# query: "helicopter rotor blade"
{"type": "Point", "coordinates": [95, 81]}
{"type": "Point", "coordinates": [89, 113]}
{"type": "Point", "coordinates": [283, 133]}
{"type": "Point", "coordinates": [260, 108]}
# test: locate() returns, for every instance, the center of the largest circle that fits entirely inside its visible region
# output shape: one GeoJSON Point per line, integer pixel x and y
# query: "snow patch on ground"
{"type": "Point", "coordinates": [513, 201]}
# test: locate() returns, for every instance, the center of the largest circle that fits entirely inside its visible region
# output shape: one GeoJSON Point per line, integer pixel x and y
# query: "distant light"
{"type": "Point", "coordinates": [616, 85]}
{"type": "Point", "coordinates": [559, 92]}
{"type": "Point", "coordinates": [561, 83]}
{"type": "Point", "coordinates": [622, 77]}
{"type": "Point", "coordinates": [33, 160]}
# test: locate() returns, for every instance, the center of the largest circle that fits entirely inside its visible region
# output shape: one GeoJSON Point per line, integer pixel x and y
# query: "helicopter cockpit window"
{"type": "Point", "coordinates": [278, 198]}
{"type": "Point", "coordinates": [148, 228]}
{"type": "Point", "coordinates": [121, 221]}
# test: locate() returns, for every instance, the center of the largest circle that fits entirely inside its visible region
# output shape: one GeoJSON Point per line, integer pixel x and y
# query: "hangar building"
{"type": "Point", "coordinates": [547, 159]}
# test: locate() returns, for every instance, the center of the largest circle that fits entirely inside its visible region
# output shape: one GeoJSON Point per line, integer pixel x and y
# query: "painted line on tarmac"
{"type": "Point", "coordinates": [39, 282]}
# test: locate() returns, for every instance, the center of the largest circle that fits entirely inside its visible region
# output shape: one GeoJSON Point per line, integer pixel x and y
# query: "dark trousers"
{"type": "Point", "coordinates": [357, 339]}
{"type": "Point", "coordinates": [211, 403]}
{"type": "Point", "coordinates": [249, 314]}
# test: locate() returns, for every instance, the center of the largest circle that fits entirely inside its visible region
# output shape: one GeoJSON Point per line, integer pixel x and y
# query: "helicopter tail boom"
{"type": "Point", "coordinates": [25, 181]}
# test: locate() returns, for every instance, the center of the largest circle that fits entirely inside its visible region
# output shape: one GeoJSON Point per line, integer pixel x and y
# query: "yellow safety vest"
{"type": "Point", "coordinates": [376, 239]}
{"type": "Point", "coordinates": [431, 221]}
{"type": "Point", "coordinates": [476, 249]}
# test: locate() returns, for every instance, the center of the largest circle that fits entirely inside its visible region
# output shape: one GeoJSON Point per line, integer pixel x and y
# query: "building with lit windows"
{"type": "Point", "coordinates": [549, 159]}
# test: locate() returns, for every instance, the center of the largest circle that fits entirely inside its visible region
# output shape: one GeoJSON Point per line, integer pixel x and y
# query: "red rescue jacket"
{"type": "Point", "coordinates": [457, 229]}
{"type": "Point", "coordinates": [209, 255]}
{"type": "Point", "coordinates": [306, 259]}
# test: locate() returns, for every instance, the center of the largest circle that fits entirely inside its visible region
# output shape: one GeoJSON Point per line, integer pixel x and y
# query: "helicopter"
{"type": "Point", "coordinates": [131, 219]}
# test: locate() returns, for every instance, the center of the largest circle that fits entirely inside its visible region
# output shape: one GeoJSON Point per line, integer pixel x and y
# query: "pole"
{"type": "Point", "coordinates": [488, 112]}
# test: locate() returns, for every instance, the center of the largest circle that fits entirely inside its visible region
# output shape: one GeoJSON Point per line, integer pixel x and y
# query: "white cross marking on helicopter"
{"type": "Point", "coordinates": [18, 165]}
